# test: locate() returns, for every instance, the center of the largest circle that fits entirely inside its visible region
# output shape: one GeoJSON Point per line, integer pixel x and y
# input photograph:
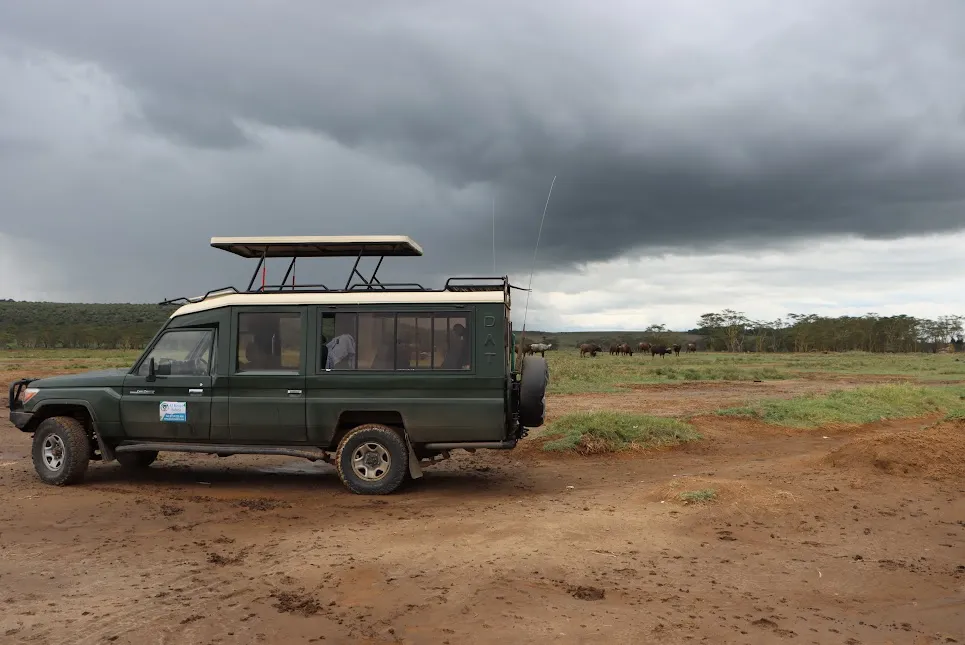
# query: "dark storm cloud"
{"type": "Point", "coordinates": [668, 124]}
{"type": "Point", "coordinates": [17, 147]}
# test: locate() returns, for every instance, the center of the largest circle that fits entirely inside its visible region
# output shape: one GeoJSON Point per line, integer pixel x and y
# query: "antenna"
{"type": "Point", "coordinates": [494, 235]}
{"type": "Point", "coordinates": [522, 334]}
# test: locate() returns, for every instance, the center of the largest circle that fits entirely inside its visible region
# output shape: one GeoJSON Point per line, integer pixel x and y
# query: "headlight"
{"type": "Point", "coordinates": [28, 393]}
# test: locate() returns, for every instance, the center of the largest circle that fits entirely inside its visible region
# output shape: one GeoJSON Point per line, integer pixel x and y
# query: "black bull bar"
{"type": "Point", "coordinates": [16, 389]}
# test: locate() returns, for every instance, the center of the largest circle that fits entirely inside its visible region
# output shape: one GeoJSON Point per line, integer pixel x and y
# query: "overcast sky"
{"type": "Point", "coordinates": [767, 157]}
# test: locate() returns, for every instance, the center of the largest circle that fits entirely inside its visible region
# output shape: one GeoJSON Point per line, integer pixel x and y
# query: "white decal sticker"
{"type": "Point", "coordinates": [176, 411]}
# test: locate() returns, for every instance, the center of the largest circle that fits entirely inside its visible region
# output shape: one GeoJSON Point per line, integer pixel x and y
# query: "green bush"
{"type": "Point", "coordinates": [603, 432]}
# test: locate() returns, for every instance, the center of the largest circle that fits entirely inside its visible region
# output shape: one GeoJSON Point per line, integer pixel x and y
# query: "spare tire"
{"type": "Point", "coordinates": [532, 391]}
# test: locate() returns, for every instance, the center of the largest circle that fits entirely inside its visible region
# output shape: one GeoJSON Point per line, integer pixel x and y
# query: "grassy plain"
{"type": "Point", "coordinates": [884, 386]}
{"type": "Point", "coordinates": [858, 405]}
{"type": "Point", "coordinates": [35, 363]}
{"type": "Point", "coordinates": [855, 388]}
{"type": "Point", "coordinates": [570, 374]}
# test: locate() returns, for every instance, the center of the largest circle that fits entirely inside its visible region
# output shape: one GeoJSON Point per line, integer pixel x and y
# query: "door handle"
{"type": "Point", "coordinates": [195, 390]}
{"type": "Point", "coordinates": [294, 392]}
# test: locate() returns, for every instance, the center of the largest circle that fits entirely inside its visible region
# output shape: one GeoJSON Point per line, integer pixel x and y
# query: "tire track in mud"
{"type": "Point", "coordinates": [166, 523]}
{"type": "Point", "coordinates": [465, 556]}
{"type": "Point", "coordinates": [266, 557]}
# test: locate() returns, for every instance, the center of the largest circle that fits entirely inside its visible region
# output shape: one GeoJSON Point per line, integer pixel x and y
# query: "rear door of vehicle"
{"type": "Point", "coordinates": [266, 391]}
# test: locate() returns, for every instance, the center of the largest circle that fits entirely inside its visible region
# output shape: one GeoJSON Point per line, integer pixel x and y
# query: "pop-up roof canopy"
{"type": "Point", "coordinates": [338, 246]}
{"type": "Point", "coordinates": [335, 246]}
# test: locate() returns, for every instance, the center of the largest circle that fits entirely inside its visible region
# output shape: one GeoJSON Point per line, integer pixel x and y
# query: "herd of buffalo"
{"type": "Point", "coordinates": [620, 349]}
{"type": "Point", "coordinates": [626, 349]}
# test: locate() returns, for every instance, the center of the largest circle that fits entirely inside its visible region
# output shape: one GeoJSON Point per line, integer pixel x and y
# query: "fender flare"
{"type": "Point", "coordinates": [107, 453]}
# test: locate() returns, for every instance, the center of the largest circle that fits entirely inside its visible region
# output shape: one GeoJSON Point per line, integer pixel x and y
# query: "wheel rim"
{"type": "Point", "coordinates": [54, 452]}
{"type": "Point", "coordinates": [371, 461]}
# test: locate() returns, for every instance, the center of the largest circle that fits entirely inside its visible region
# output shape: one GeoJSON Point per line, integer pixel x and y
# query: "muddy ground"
{"type": "Point", "coordinates": [850, 535]}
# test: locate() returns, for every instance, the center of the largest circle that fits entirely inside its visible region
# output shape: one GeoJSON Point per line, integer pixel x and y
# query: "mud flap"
{"type": "Point", "coordinates": [414, 470]}
{"type": "Point", "coordinates": [107, 454]}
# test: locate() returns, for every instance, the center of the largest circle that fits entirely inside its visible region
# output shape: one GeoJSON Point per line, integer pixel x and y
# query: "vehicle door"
{"type": "Point", "coordinates": [266, 401]}
{"type": "Point", "coordinates": [173, 401]}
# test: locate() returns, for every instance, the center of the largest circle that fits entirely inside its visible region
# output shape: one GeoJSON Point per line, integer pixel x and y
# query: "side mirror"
{"type": "Point", "coordinates": [151, 370]}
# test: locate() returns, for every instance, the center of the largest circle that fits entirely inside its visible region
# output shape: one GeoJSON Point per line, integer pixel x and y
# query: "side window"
{"type": "Point", "coordinates": [181, 352]}
{"type": "Point", "coordinates": [376, 341]}
{"type": "Point", "coordinates": [388, 341]}
{"type": "Point", "coordinates": [269, 342]}
{"type": "Point", "coordinates": [451, 341]}
{"type": "Point", "coordinates": [415, 342]}
{"type": "Point", "coordinates": [338, 341]}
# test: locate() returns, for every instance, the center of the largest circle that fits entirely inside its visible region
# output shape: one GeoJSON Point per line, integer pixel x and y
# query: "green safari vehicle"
{"type": "Point", "coordinates": [377, 378]}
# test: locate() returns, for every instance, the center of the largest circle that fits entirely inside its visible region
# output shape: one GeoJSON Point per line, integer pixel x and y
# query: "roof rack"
{"type": "Point", "coordinates": [501, 286]}
{"type": "Point", "coordinates": [381, 246]}
{"type": "Point", "coordinates": [388, 286]}
{"type": "Point", "coordinates": [184, 300]}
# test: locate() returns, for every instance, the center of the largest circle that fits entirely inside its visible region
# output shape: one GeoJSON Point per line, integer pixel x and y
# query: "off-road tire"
{"type": "Point", "coordinates": [136, 460]}
{"type": "Point", "coordinates": [68, 436]}
{"type": "Point", "coordinates": [532, 391]}
{"type": "Point", "coordinates": [387, 440]}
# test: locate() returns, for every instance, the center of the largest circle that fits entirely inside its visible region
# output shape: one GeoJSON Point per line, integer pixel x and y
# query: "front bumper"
{"type": "Point", "coordinates": [20, 418]}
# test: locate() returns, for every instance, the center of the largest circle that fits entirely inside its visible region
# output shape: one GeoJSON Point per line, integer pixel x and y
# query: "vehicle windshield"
{"type": "Point", "coordinates": [180, 351]}
{"type": "Point", "coordinates": [200, 348]}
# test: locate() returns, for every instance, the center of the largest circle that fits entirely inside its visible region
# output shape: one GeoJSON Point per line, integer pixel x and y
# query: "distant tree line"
{"type": "Point", "coordinates": [733, 331]}
{"type": "Point", "coordinates": [49, 325]}
{"type": "Point", "coordinates": [130, 326]}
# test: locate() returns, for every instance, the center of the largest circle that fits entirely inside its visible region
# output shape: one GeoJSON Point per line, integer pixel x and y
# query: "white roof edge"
{"type": "Point", "coordinates": [341, 298]}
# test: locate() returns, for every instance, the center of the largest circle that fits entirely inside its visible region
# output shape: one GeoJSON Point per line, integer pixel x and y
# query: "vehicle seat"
{"type": "Point", "coordinates": [257, 359]}
{"type": "Point", "coordinates": [453, 353]}
{"type": "Point", "coordinates": [324, 352]}
{"type": "Point", "coordinates": [251, 356]}
{"type": "Point", "coordinates": [385, 357]}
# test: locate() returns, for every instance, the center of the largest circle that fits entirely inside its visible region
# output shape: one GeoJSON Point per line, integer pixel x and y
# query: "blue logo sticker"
{"type": "Point", "coordinates": [174, 411]}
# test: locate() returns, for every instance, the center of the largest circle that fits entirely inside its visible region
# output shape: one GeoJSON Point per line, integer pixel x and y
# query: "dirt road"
{"type": "Point", "coordinates": [867, 546]}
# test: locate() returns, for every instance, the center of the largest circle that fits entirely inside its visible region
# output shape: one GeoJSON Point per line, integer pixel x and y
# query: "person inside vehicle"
{"type": "Point", "coordinates": [459, 350]}
{"type": "Point", "coordinates": [341, 348]}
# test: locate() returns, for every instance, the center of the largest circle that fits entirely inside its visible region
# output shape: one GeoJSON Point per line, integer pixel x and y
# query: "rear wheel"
{"type": "Point", "coordinates": [136, 460]}
{"type": "Point", "coordinates": [61, 450]}
{"type": "Point", "coordinates": [372, 460]}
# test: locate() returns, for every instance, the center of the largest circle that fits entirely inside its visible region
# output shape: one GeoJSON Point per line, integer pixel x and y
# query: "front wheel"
{"type": "Point", "coordinates": [61, 451]}
{"type": "Point", "coordinates": [372, 459]}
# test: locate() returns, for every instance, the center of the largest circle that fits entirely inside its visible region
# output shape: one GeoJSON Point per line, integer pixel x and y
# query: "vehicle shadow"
{"type": "Point", "coordinates": [295, 477]}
